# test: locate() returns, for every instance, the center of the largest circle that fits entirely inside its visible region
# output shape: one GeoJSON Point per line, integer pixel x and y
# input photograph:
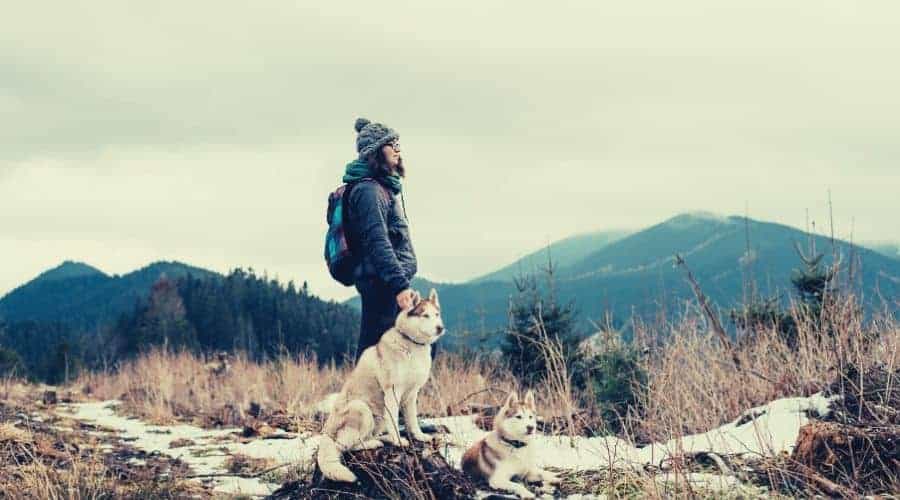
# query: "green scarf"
{"type": "Point", "coordinates": [358, 169]}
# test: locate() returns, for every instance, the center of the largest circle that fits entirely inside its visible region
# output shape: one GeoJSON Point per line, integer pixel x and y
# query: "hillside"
{"type": "Point", "coordinates": [634, 275]}
{"type": "Point", "coordinates": [199, 312]}
{"type": "Point", "coordinates": [888, 249]}
{"type": "Point", "coordinates": [83, 297]}
{"type": "Point", "coordinates": [564, 252]}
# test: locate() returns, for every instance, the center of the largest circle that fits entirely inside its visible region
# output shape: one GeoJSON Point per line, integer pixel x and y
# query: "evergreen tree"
{"type": "Point", "coordinates": [813, 283]}
{"type": "Point", "coordinates": [162, 321]}
{"type": "Point", "coordinates": [64, 364]}
{"type": "Point", "coordinates": [11, 364]}
{"type": "Point", "coordinates": [536, 317]}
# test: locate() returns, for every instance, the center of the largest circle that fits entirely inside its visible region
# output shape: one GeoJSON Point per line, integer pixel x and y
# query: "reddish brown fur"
{"type": "Point", "coordinates": [419, 308]}
{"type": "Point", "coordinates": [470, 459]}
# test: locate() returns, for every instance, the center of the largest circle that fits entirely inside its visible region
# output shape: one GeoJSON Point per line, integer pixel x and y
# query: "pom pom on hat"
{"type": "Point", "coordinates": [360, 123]}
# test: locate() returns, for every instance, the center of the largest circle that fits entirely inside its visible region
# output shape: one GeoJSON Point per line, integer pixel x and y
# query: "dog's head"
{"type": "Point", "coordinates": [422, 322]}
{"type": "Point", "coordinates": [517, 420]}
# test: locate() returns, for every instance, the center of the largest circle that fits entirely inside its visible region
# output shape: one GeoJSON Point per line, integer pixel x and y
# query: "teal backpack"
{"type": "Point", "coordinates": [339, 255]}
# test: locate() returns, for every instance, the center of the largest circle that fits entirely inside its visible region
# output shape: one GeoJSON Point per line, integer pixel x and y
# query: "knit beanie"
{"type": "Point", "coordinates": [371, 137]}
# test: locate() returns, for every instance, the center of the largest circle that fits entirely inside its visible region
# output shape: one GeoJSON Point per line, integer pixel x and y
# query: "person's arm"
{"type": "Point", "coordinates": [371, 208]}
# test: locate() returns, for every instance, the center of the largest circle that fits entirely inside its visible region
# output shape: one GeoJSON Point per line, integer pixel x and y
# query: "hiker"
{"type": "Point", "coordinates": [378, 230]}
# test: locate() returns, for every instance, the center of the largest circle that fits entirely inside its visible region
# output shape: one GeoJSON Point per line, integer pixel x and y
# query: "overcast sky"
{"type": "Point", "coordinates": [212, 132]}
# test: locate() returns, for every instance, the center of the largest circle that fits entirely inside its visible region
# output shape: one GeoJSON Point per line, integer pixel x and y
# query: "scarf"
{"type": "Point", "coordinates": [358, 170]}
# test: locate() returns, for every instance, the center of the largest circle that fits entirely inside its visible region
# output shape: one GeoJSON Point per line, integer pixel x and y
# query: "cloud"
{"type": "Point", "coordinates": [211, 132]}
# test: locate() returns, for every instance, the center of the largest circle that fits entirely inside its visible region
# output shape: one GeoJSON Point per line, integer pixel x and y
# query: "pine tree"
{"type": "Point", "coordinates": [812, 282]}
{"type": "Point", "coordinates": [535, 317]}
{"type": "Point", "coordinates": [11, 363]}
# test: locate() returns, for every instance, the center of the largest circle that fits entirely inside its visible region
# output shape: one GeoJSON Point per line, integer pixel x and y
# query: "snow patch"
{"type": "Point", "coordinates": [766, 430]}
{"type": "Point", "coordinates": [211, 452]}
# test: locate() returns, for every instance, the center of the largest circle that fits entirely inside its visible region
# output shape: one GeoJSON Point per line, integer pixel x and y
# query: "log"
{"type": "Point", "coordinates": [417, 471]}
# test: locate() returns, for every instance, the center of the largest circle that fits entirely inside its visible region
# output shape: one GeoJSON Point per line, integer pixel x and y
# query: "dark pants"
{"type": "Point", "coordinates": [379, 312]}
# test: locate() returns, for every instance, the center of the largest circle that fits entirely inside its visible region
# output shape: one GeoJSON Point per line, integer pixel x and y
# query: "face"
{"type": "Point", "coordinates": [517, 420]}
{"type": "Point", "coordinates": [423, 322]}
{"type": "Point", "coordinates": [391, 152]}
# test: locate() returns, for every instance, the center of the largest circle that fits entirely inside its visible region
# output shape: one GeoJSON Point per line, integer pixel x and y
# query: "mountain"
{"type": "Point", "coordinates": [68, 269]}
{"type": "Point", "coordinates": [185, 308]}
{"type": "Point", "coordinates": [888, 249]}
{"type": "Point", "coordinates": [82, 296]}
{"type": "Point", "coordinates": [651, 247]}
{"type": "Point", "coordinates": [635, 275]}
{"type": "Point", "coordinates": [563, 253]}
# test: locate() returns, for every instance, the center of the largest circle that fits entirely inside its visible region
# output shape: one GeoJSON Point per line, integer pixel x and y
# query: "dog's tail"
{"type": "Point", "coordinates": [329, 459]}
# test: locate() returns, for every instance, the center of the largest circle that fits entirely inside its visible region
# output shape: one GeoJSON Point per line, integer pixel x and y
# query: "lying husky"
{"type": "Point", "coordinates": [387, 376]}
{"type": "Point", "coordinates": [504, 453]}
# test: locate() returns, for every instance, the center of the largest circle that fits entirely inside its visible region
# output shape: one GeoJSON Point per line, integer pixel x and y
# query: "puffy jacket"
{"type": "Point", "coordinates": [379, 230]}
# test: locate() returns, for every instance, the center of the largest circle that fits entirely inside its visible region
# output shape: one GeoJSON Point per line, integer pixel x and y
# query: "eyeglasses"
{"type": "Point", "coordinates": [395, 146]}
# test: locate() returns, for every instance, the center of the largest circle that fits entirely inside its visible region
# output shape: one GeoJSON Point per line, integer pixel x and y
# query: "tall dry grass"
{"type": "Point", "coordinates": [694, 384]}
{"type": "Point", "coordinates": [165, 387]}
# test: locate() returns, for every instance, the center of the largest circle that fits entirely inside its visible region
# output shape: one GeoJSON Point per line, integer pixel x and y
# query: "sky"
{"type": "Point", "coordinates": [211, 132]}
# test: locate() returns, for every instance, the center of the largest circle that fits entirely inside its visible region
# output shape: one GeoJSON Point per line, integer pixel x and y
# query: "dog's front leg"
{"type": "Point", "coordinates": [537, 474]}
{"type": "Point", "coordinates": [392, 418]}
{"type": "Point", "coordinates": [501, 479]}
{"type": "Point", "coordinates": [411, 415]}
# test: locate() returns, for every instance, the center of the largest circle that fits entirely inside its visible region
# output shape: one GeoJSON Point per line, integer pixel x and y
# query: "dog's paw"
{"type": "Point", "coordinates": [345, 477]}
{"type": "Point", "coordinates": [547, 489]}
{"type": "Point", "coordinates": [425, 438]}
{"type": "Point", "coordinates": [401, 442]}
{"type": "Point", "coordinates": [550, 478]}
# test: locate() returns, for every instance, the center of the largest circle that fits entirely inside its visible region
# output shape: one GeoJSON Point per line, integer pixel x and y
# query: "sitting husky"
{"type": "Point", "coordinates": [387, 376]}
{"type": "Point", "coordinates": [504, 453]}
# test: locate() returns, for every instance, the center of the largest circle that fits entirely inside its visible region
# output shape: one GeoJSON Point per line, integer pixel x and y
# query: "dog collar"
{"type": "Point", "coordinates": [407, 337]}
{"type": "Point", "coordinates": [513, 443]}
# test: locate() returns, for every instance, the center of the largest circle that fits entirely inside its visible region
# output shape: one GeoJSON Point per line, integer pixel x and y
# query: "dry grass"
{"type": "Point", "coordinates": [693, 384]}
{"type": "Point", "coordinates": [39, 460]}
{"type": "Point", "coordinates": [164, 387]}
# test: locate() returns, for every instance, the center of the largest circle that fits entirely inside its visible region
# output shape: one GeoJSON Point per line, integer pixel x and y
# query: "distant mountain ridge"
{"type": "Point", "coordinates": [635, 275]}
{"type": "Point", "coordinates": [625, 275]}
{"type": "Point", "coordinates": [82, 296]}
{"type": "Point", "coordinates": [563, 253]}
{"type": "Point", "coordinates": [72, 318]}
{"type": "Point", "coordinates": [888, 249]}
{"type": "Point", "coordinates": [68, 269]}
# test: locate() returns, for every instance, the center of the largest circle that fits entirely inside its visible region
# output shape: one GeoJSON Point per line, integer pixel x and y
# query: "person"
{"type": "Point", "coordinates": [378, 230]}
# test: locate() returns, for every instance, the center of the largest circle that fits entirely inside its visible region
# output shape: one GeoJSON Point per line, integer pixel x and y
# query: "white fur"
{"type": "Point", "coordinates": [385, 381]}
{"type": "Point", "coordinates": [514, 422]}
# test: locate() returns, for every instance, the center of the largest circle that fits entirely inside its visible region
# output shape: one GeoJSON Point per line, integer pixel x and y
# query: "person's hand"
{"type": "Point", "coordinates": [407, 298]}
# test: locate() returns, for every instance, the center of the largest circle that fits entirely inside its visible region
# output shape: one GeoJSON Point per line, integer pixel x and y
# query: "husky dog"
{"type": "Point", "coordinates": [387, 377]}
{"type": "Point", "coordinates": [504, 453]}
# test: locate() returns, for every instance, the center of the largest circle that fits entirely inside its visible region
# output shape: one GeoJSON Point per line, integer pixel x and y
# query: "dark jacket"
{"type": "Point", "coordinates": [379, 230]}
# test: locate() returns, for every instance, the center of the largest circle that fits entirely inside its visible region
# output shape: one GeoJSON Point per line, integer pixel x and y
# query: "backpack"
{"type": "Point", "coordinates": [339, 256]}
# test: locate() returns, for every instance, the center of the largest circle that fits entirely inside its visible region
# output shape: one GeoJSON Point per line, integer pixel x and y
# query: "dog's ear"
{"type": "Point", "coordinates": [512, 402]}
{"type": "Point", "coordinates": [433, 298]}
{"type": "Point", "coordinates": [529, 400]}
